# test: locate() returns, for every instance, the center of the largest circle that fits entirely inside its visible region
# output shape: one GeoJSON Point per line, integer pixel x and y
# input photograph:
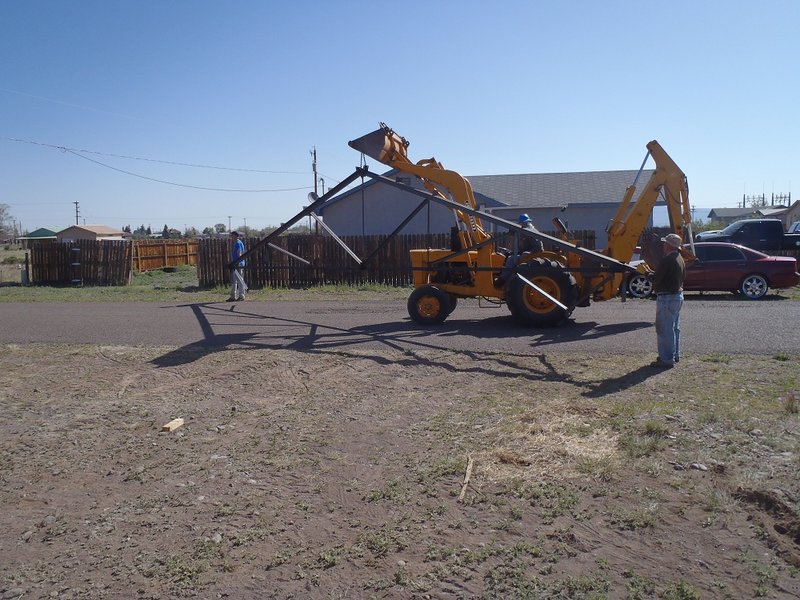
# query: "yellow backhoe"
{"type": "Point", "coordinates": [541, 288]}
{"type": "Point", "coordinates": [546, 286]}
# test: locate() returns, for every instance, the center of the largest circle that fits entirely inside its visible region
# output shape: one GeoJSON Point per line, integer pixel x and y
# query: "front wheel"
{"type": "Point", "coordinates": [640, 286]}
{"type": "Point", "coordinates": [529, 306]}
{"type": "Point", "coordinates": [428, 305]}
{"type": "Point", "coordinates": [754, 287]}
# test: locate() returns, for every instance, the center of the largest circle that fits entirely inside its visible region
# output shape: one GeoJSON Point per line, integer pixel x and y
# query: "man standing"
{"type": "Point", "coordinates": [238, 286]}
{"type": "Point", "coordinates": [668, 286]}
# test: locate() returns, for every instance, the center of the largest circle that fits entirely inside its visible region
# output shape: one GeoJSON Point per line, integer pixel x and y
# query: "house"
{"type": "Point", "coordinates": [791, 215]}
{"type": "Point", "coordinates": [39, 235]}
{"type": "Point", "coordinates": [583, 201]}
{"type": "Point", "coordinates": [89, 232]}
{"type": "Point", "coordinates": [787, 214]}
{"type": "Point", "coordinates": [729, 215]}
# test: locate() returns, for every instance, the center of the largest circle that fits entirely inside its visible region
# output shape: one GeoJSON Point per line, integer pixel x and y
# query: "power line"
{"type": "Point", "coordinates": [153, 160]}
{"type": "Point", "coordinates": [184, 185]}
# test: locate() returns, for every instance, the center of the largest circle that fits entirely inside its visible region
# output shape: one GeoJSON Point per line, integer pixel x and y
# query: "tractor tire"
{"type": "Point", "coordinates": [529, 307]}
{"type": "Point", "coordinates": [428, 305]}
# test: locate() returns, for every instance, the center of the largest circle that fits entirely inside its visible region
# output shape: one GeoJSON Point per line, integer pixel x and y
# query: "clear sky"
{"type": "Point", "coordinates": [106, 95]}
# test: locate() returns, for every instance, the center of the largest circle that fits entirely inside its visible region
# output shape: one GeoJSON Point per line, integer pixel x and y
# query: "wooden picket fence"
{"type": "Point", "coordinates": [330, 263]}
{"type": "Point", "coordinates": [149, 255]}
{"type": "Point", "coordinates": [81, 263]}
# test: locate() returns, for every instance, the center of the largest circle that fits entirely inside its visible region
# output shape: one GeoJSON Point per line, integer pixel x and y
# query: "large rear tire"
{"type": "Point", "coordinates": [428, 305]}
{"type": "Point", "coordinates": [529, 307]}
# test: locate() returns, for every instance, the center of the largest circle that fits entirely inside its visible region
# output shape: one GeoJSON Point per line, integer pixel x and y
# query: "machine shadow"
{"type": "Point", "coordinates": [406, 336]}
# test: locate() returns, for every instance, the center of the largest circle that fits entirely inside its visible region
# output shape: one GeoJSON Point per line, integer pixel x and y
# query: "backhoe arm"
{"type": "Point", "coordinates": [630, 220]}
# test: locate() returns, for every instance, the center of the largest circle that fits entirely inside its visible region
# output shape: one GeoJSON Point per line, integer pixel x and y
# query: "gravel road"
{"type": "Point", "coordinates": [709, 324]}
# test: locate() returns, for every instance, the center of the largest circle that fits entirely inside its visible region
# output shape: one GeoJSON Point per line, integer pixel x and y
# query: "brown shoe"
{"type": "Point", "coordinates": [660, 364]}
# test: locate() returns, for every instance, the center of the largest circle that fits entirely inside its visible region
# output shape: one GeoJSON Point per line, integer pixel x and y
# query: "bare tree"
{"type": "Point", "coordinates": [6, 221]}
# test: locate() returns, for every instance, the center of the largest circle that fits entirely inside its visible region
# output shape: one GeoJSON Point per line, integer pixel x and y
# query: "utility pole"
{"type": "Point", "coordinates": [77, 213]}
{"type": "Point", "coordinates": [229, 223]}
{"type": "Point", "coordinates": [314, 169]}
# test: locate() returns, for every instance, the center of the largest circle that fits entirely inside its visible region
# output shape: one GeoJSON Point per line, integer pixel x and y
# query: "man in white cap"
{"type": "Point", "coordinates": [668, 286]}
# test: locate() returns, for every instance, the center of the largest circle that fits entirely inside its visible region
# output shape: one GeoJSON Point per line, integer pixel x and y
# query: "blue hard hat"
{"type": "Point", "coordinates": [523, 219]}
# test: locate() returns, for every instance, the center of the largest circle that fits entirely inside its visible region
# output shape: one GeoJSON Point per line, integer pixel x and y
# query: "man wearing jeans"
{"type": "Point", "coordinates": [238, 286]}
{"type": "Point", "coordinates": [668, 286]}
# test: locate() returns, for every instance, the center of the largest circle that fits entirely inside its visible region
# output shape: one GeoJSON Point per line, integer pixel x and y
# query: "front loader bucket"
{"type": "Point", "coordinates": [383, 145]}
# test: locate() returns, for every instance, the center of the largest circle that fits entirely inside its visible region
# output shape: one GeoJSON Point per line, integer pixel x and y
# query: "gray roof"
{"type": "Point", "coordinates": [730, 213]}
{"type": "Point", "coordinates": [543, 190]}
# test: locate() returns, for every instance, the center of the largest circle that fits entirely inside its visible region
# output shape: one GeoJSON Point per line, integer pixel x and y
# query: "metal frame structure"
{"type": "Point", "coordinates": [602, 263]}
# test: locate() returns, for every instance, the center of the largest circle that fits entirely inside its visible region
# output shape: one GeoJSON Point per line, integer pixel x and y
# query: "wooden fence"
{"type": "Point", "coordinates": [330, 263]}
{"type": "Point", "coordinates": [149, 255]}
{"type": "Point", "coordinates": [81, 263]}
{"type": "Point", "coordinates": [111, 263]}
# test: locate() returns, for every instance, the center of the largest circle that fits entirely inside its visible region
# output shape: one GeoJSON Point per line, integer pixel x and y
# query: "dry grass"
{"type": "Point", "coordinates": [338, 474]}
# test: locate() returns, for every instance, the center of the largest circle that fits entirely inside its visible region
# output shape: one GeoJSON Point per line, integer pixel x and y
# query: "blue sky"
{"type": "Point", "coordinates": [485, 87]}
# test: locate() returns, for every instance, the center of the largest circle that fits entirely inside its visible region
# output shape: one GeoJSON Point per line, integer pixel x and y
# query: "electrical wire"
{"type": "Point", "coordinates": [184, 185]}
{"type": "Point", "coordinates": [153, 160]}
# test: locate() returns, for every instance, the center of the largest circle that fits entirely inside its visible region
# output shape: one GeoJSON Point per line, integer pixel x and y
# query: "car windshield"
{"type": "Point", "coordinates": [732, 228]}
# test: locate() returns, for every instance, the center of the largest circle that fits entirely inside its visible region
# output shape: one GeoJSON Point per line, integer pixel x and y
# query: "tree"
{"type": "Point", "coordinates": [6, 225]}
{"type": "Point", "coordinates": [220, 228]}
{"type": "Point", "coordinates": [208, 231]}
{"type": "Point", "coordinates": [190, 233]}
{"type": "Point", "coordinates": [149, 231]}
{"type": "Point", "coordinates": [165, 233]}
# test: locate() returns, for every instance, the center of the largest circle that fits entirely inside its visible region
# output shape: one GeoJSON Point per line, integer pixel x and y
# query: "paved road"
{"type": "Point", "coordinates": [717, 324]}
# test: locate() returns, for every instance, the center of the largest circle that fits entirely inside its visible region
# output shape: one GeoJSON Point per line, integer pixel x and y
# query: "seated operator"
{"type": "Point", "coordinates": [525, 245]}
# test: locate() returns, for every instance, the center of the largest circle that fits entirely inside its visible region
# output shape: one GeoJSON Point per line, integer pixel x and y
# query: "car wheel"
{"type": "Point", "coordinates": [428, 305]}
{"type": "Point", "coordinates": [640, 286]}
{"type": "Point", "coordinates": [754, 287]}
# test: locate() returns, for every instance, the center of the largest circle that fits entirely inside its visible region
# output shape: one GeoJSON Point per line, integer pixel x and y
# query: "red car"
{"type": "Point", "coordinates": [729, 267]}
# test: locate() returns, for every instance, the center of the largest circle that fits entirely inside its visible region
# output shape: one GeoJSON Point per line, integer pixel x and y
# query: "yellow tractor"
{"type": "Point", "coordinates": [544, 286]}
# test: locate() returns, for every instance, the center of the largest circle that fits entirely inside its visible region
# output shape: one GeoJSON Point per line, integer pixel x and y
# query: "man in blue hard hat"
{"type": "Point", "coordinates": [529, 244]}
{"type": "Point", "coordinates": [524, 245]}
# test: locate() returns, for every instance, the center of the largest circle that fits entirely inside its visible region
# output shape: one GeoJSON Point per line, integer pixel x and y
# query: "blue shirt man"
{"type": "Point", "coordinates": [238, 286]}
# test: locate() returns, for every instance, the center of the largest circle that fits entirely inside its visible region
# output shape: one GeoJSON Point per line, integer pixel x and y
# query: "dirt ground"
{"type": "Point", "coordinates": [341, 474]}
